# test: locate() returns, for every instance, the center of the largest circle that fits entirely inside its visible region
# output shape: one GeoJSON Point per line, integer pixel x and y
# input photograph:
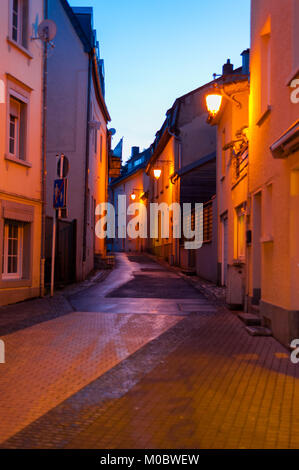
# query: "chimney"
{"type": "Point", "coordinates": [245, 61]}
{"type": "Point", "coordinates": [135, 151]}
{"type": "Point", "coordinates": [227, 68]}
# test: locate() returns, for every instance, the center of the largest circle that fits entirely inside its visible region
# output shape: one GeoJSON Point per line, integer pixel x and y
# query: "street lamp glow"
{"type": "Point", "coordinates": [157, 173]}
{"type": "Point", "coordinates": [213, 102]}
{"type": "Point", "coordinates": [133, 196]}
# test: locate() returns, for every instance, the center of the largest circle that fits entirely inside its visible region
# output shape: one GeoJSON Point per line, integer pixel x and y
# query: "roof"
{"type": "Point", "coordinates": [78, 26]}
{"type": "Point", "coordinates": [131, 168]}
{"type": "Point", "coordinates": [169, 126]}
{"type": "Point", "coordinates": [192, 166]}
{"type": "Point", "coordinates": [82, 20]}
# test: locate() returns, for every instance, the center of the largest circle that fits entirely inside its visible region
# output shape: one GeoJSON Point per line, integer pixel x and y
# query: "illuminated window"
{"type": "Point", "coordinates": [12, 250]}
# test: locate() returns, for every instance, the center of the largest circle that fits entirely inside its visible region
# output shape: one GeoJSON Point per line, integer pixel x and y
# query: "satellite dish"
{"type": "Point", "coordinates": [47, 30]}
{"type": "Point", "coordinates": [112, 131]}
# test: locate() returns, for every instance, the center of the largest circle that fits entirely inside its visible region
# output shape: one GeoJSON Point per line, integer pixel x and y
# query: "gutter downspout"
{"type": "Point", "coordinates": [178, 141]}
{"type": "Point", "coordinates": [43, 159]}
{"type": "Point", "coordinates": [87, 160]}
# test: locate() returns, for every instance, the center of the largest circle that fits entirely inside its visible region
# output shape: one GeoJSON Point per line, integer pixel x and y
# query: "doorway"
{"type": "Point", "coordinates": [257, 251]}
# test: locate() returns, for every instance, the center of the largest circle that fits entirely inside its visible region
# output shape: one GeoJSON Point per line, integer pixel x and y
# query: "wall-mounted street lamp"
{"type": "Point", "coordinates": [157, 173]}
{"type": "Point", "coordinates": [213, 102]}
{"type": "Point", "coordinates": [134, 195]}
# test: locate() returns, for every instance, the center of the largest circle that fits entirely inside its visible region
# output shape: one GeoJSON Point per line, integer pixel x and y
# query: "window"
{"type": "Point", "coordinates": [19, 22]}
{"type": "Point", "coordinates": [95, 141]}
{"type": "Point", "coordinates": [223, 153]}
{"type": "Point", "coordinates": [101, 148]}
{"type": "Point", "coordinates": [266, 66]}
{"type": "Point", "coordinates": [12, 250]}
{"type": "Point", "coordinates": [267, 218]}
{"type": "Point", "coordinates": [17, 128]}
{"type": "Point", "coordinates": [240, 232]}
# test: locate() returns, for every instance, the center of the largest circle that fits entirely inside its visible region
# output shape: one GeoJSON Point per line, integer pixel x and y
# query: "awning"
{"type": "Point", "coordinates": [288, 143]}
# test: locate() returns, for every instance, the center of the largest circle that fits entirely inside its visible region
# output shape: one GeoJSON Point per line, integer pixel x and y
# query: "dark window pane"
{"type": "Point", "coordinates": [15, 20]}
{"type": "Point", "coordinates": [10, 247]}
{"type": "Point", "coordinates": [15, 247]}
{"type": "Point", "coordinates": [15, 231]}
{"type": "Point", "coordinates": [9, 265]}
{"type": "Point", "coordinates": [11, 146]}
{"type": "Point", "coordinates": [15, 264]}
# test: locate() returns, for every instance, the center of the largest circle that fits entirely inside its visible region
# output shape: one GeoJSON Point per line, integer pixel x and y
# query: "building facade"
{"type": "Point", "coordinates": [20, 150]}
{"type": "Point", "coordinates": [273, 282]}
{"type": "Point", "coordinates": [132, 184]}
{"type": "Point", "coordinates": [77, 119]}
{"type": "Point", "coordinates": [184, 152]}
{"type": "Point", "coordinates": [232, 179]}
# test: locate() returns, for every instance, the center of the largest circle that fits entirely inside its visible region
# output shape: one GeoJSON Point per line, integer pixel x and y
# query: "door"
{"type": "Point", "coordinates": [256, 247]}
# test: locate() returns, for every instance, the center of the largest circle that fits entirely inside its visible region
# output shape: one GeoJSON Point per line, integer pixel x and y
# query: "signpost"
{"type": "Point", "coordinates": [59, 205]}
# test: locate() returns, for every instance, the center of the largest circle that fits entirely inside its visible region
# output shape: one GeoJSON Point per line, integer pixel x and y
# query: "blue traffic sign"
{"type": "Point", "coordinates": [59, 199]}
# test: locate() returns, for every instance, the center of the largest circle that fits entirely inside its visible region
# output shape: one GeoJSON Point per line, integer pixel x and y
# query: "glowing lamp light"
{"type": "Point", "coordinates": [213, 103]}
{"type": "Point", "coordinates": [157, 173]}
{"type": "Point", "coordinates": [133, 196]}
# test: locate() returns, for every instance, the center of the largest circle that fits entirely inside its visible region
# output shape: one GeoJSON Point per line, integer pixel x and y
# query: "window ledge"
{"type": "Point", "coordinates": [238, 263]}
{"type": "Point", "coordinates": [19, 47]}
{"type": "Point", "coordinates": [263, 116]}
{"type": "Point", "coordinates": [18, 161]}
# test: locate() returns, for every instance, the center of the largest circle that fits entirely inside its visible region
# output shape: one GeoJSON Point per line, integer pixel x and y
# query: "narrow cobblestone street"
{"type": "Point", "coordinates": [143, 360]}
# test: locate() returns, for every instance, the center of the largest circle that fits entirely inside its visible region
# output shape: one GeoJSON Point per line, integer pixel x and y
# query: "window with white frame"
{"type": "Point", "coordinates": [19, 21]}
{"type": "Point", "coordinates": [17, 128]}
{"type": "Point", "coordinates": [240, 232]}
{"type": "Point", "coordinates": [12, 250]}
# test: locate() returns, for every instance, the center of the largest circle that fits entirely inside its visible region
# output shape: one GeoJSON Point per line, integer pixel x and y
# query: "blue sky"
{"type": "Point", "coordinates": [158, 50]}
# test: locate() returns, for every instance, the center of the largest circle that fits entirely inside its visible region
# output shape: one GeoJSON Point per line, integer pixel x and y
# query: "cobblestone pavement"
{"type": "Point", "coordinates": [170, 373]}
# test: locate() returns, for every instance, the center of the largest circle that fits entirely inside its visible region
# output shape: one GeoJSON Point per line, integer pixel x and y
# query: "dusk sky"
{"type": "Point", "coordinates": [156, 51]}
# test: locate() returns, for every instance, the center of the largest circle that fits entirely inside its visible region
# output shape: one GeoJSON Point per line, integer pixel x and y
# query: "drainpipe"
{"type": "Point", "coordinates": [43, 159]}
{"type": "Point", "coordinates": [177, 140]}
{"type": "Point", "coordinates": [87, 160]}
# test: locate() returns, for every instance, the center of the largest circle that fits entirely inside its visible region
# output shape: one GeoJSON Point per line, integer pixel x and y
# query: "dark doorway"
{"type": "Point", "coordinates": [65, 262]}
